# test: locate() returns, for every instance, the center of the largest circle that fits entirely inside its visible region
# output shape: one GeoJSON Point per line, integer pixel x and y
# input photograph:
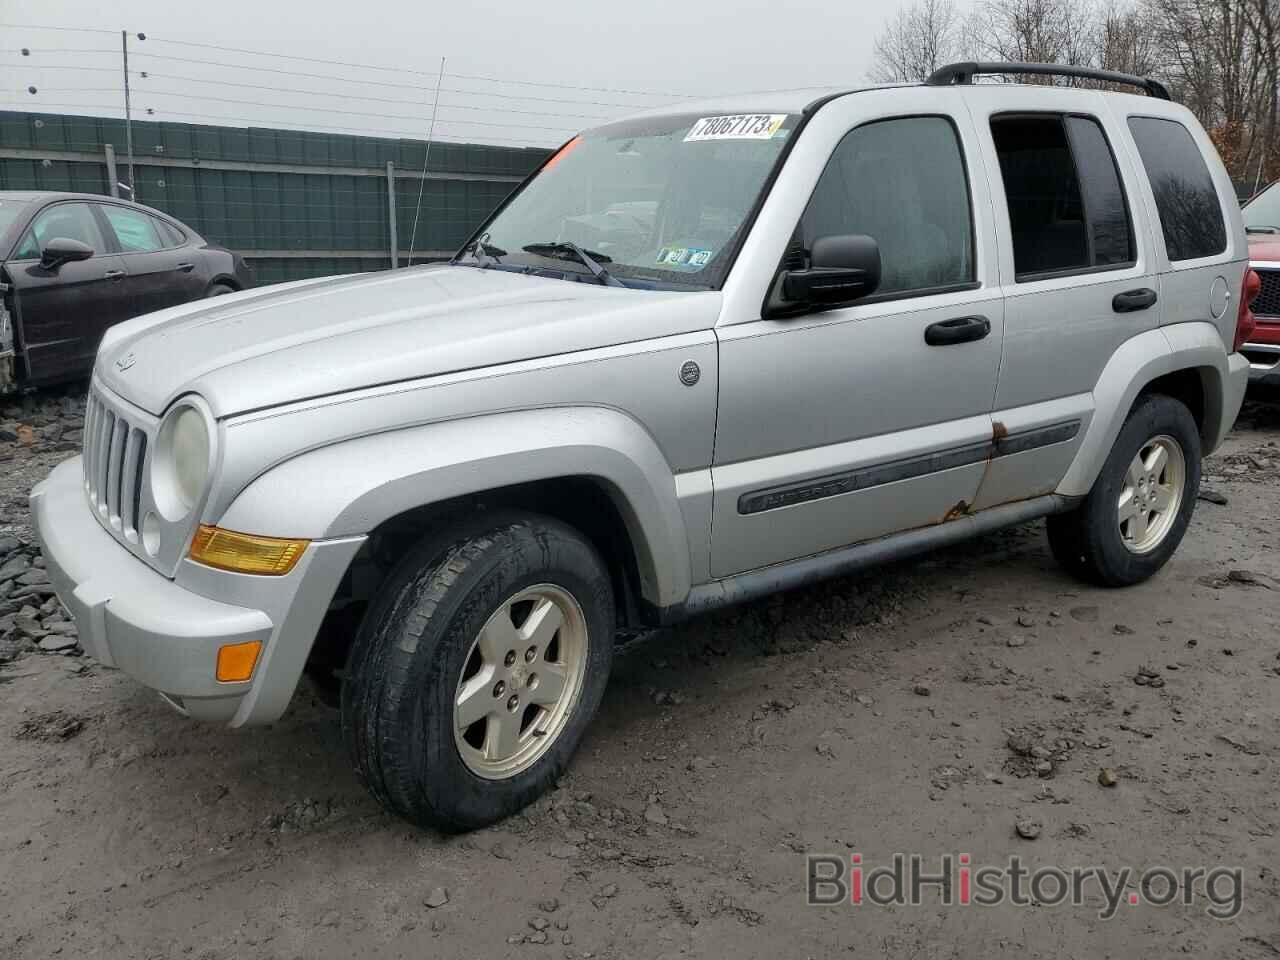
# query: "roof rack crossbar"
{"type": "Point", "coordinates": [964, 72]}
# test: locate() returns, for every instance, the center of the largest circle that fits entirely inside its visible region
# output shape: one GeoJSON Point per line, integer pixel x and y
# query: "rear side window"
{"type": "Point", "coordinates": [136, 231]}
{"type": "Point", "coordinates": [173, 236]}
{"type": "Point", "coordinates": [1190, 213]}
{"type": "Point", "coordinates": [1066, 202]}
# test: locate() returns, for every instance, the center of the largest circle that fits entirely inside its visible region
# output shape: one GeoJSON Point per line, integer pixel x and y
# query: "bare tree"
{"type": "Point", "coordinates": [1036, 31]}
{"type": "Point", "coordinates": [917, 41]}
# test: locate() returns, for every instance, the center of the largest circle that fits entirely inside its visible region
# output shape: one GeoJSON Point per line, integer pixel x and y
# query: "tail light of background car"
{"type": "Point", "coordinates": [1245, 324]}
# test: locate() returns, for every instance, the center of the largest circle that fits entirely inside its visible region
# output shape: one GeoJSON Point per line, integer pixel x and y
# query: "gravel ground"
{"type": "Point", "coordinates": [974, 702]}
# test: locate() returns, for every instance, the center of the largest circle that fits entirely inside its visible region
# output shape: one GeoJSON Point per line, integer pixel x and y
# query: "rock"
{"type": "Point", "coordinates": [653, 813]}
{"type": "Point", "coordinates": [1123, 630]}
{"type": "Point", "coordinates": [1016, 642]}
{"type": "Point", "coordinates": [539, 937]}
{"type": "Point", "coordinates": [1025, 621]}
{"type": "Point", "coordinates": [922, 690]}
{"type": "Point", "coordinates": [549, 905]}
{"type": "Point", "coordinates": [8, 544]}
{"type": "Point", "coordinates": [50, 727]}
{"type": "Point", "coordinates": [1107, 777]}
{"type": "Point", "coordinates": [1212, 496]}
{"type": "Point", "coordinates": [438, 897]}
{"type": "Point", "coordinates": [1044, 769]}
{"type": "Point", "coordinates": [539, 923]}
{"type": "Point", "coordinates": [1084, 614]}
{"type": "Point", "coordinates": [516, 938]}
{"type": "Point", "coordinates": [64, 628]}
{"type": "Point", "coordinates": [609, 890]}
{"type": "Point", "coordinates": [1027, 828]}
{"type": "Point", "coordinates": [564, 851]}
{"type": "Point", "coordinates": [56, 643]}
{"type": "Point", "coordinates": [33, 576]}
{"type": "Point", "coordinates": [566, 938]}
{"type": "Point", "coordinates": [14, 567]}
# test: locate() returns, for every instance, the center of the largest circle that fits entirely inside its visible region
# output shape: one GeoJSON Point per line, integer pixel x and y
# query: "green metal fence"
{"type": "Point", "coordinates": [294, 203]}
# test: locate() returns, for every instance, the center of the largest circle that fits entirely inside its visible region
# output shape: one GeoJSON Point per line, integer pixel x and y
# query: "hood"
{"type": "Point", "coordinates": [291, 342]}
{"type": "Point", "coordinates": [1264, 246]}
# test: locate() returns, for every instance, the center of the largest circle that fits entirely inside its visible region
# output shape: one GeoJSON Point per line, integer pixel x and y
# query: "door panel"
{"type": "Point", "coordinates": [62, 313]}
{"type": "Point", "coordinates": [847, 425]}
{"type": "Point", "coordinates": [1076, 260]}
{"type": "Point", "coordinates": [160, 275]}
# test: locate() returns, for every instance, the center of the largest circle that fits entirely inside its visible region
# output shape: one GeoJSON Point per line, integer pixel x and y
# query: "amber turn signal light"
{"type": "Point", "coordinates": [244, 552]}
{"type": "Point", "coordinates": [237, 660]}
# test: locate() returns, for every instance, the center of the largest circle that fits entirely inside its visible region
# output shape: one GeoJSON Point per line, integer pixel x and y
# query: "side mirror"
{"type": "Point", "coordinates": [62, 250]}
{"type": "Point", "coordinates": [841, 269]}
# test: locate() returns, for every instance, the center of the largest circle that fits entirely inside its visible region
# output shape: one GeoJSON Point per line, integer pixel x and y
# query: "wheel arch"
{"type": "Point", "coordinates": [1186, 361]}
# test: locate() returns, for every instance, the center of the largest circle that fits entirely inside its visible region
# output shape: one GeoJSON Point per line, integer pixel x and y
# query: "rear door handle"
{"type": "Point", "coordinates": [114, 275]}
{"type": "Point", "coordinates": [1131, 301]}
{"type": "Point", "coordinates": [186, 267]}
{"type": "Point", "coordinates": [958, 330]}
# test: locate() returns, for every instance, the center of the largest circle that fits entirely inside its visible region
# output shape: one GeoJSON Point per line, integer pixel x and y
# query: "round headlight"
{"type": "Point", "coordinates": [180, 463]}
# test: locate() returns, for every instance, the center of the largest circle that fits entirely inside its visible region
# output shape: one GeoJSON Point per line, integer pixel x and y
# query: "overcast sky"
{"type": "Point", "coordinates": [578, 62]}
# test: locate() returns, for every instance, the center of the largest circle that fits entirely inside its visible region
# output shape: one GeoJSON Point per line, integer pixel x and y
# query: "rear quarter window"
{"type": "Point", "coordinates": [1190, 212]}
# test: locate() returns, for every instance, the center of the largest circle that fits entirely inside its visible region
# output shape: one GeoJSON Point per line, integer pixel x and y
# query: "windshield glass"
{"type": "Point", "coordinates": [657, 201]}
{"type": "Point", "coordinates": [1263, 211]}
{"type": "Point", "coordinates": [9, 212]}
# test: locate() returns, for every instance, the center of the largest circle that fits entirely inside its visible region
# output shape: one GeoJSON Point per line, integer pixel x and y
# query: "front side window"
{"type": "Point", "coordinates": [135, 231]}
{"type": "Point", "coordinates": [660, 201]}
{"type": "Point", "coordinates": [62, 221]}
{"type": "Point", "coordinates": [902, 182]}
{"type": "Point", "coordinates": [1190, 213]}
{"type": "Point", "coordinates": [1067, 208]}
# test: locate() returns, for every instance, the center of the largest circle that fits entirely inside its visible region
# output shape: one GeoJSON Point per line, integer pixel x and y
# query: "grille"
{"type": "Point", "coordinates": [114, 453]}
{"type": "Point", "coordinates": [1267, 303]}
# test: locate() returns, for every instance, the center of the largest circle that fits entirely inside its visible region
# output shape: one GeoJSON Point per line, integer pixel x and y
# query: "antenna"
{"type": "Point", "coordinates": [413, 236]}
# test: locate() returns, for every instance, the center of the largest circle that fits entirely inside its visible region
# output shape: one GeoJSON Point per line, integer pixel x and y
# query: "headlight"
{"type": "Point", "coordinates": [180, 462]}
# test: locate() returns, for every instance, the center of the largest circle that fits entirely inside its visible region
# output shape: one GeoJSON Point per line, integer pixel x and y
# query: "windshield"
{"type": "Point", "coordinates": [1262, 213]}
{"type": "Point", "coordinates": [659, 202]}
{"type": "Point", "coordinates": [10, 210]}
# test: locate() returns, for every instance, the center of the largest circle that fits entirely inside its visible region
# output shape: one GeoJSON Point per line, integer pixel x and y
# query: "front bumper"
{"type": "Point", "coordinates": [166, 633]}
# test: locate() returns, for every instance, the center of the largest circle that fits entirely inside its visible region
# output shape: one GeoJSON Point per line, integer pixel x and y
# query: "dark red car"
{"type": "Point", "coordinates": [1262, 221]}
{"type": "Point", "coordinates": [72, 264]}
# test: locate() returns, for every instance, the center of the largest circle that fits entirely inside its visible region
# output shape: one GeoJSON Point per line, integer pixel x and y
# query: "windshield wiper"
{"type": "Point", "coordinates": [484, 252]}
{"type": "Point", "coordinates": [588, 258]}
{"type": "Point", "coordinates": [1262, 229]}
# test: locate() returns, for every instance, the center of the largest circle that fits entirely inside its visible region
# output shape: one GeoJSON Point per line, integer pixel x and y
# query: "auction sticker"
{"type": "Point", "coordinates": [694, 257]}
{"type": "Point", "coordinates": [742, 126]}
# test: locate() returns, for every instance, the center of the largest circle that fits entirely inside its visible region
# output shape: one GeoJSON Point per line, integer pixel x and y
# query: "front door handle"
{"type": "Point", "coordinates": [959, 330]}
{"type": "Point", "coordinates": [114, 275]}
{"type": "Point", "coordinates": [1131, 301]}
{"type": "Point", "coordinates": [186, 267]}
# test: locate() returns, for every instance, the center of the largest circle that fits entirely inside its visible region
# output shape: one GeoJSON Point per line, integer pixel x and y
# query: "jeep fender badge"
{"type": "Point", "coordinates": [125, 362]}
{"type": "Point", "coordinates": [690, 373]}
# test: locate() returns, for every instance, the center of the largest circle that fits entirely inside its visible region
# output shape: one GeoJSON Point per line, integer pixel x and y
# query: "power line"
{"type": "Point", "coordinates": [346, 81]}
{"type": "Point", "coordinates": [36, 26]}
{"type": "Point", "coordinates": [424, 73]}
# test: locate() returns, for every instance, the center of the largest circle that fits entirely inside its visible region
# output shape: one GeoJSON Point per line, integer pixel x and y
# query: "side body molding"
{"type": "Point", "coordinates": [348, 488]}
{"type": "Point", "coordinates": [1141, 359]}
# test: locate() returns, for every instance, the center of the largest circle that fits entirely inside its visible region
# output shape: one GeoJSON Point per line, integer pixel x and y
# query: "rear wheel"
{"type": "Point", "coordinates": [219, 289]}
{"type": "Point", "coordinates": [477, 669]}
{"type": "Point", "coordinates": [1139, 508]}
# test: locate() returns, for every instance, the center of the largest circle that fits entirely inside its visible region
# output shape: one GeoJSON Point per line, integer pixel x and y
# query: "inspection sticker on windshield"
{"type": "Point", "coordinates": [694, 257]}
{"type": "Point", "coordinates": [743, 126]}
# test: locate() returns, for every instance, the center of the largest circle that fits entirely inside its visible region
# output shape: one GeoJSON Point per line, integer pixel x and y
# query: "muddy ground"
{"type": "Point", "coordinates": [945, 706]}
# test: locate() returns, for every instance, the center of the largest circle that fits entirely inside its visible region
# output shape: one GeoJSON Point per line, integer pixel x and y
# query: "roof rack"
{"type": "Point", "coordinates": [964, 73]}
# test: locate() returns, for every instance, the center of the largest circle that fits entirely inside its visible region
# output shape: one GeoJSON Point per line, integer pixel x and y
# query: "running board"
{"type": "Point", "coordinates": [844, 560]}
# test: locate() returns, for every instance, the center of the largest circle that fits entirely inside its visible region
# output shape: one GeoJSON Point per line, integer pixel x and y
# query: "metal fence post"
{"type": "Point", "coordinates": [391, 214]}
{"type": "Point", "coordinates": [113, 181]}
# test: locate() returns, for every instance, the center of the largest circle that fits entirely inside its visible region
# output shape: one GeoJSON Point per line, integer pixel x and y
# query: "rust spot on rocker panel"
{"type": "Point", "coordinates": [959, 510]}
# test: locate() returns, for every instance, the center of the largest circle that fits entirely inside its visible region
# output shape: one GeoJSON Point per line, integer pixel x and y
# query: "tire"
{"type": "Point", "coordinates": [218, 290]}
{"type": "Point", "coordinates": [1092, 542]}
{"type": "Point", "coordinates": [420, 646]}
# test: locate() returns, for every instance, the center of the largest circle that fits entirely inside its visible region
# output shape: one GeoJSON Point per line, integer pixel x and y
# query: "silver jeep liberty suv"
{"type": "Point", "coordinates": [702, 354]}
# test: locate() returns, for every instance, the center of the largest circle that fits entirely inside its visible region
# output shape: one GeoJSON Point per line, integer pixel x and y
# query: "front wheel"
{"type": "Point", "coordinates": [1139, 508]}
{"type": "Point", "coordinates": [478, 668]}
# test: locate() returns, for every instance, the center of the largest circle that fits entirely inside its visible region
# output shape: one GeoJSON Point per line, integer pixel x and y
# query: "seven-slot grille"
{"type": "Point", "coordinates": [1267, 303]}
{"type": "Point", "coordinates": [114, 453]}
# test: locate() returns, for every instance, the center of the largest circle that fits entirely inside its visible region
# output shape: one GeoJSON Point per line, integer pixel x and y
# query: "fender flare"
{"type": "Point", "coordinates": [348, 488]}
{"type": "Point", "coordinates": [1140, 360]}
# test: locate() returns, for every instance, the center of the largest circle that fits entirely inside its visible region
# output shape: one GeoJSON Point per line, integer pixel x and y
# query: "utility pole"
{"type": "Point", "coordinates": [128, 114]}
